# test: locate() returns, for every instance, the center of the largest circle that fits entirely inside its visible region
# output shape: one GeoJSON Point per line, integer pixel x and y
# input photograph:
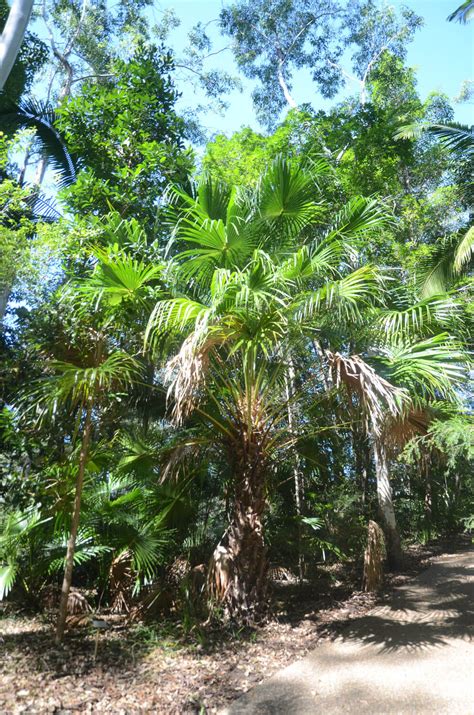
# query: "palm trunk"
{"type": "Point", "coordinates": [385, 502]}
{"type": "Point", "coordinates": [361, 454]}
{"type": "Point", "coordinates": [237, 576]}
{"type": "Point", "coordinates": [428, 501]}
{"type": "Point", "coordinates": [297, 476]}
{"type": "Point", "coordinates": [71, 545]}
{"type": "Point", "coordinates": [12, 36]}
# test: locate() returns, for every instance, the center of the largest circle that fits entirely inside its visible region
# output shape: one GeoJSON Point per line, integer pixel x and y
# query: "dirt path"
{"type": "Point", "coordinates": [412, 654]}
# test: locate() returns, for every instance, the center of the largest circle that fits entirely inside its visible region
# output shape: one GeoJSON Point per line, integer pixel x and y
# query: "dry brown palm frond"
{"type": "Point", "coordinates": [374, 558]}
{"type": "Point", "coordinates": [178, 457]}
{"type": "Point", "coordinates": [377, 396]}
{"type": "Point", "coordinates": [77, 603]}
{"type": "Point", "coordinates": [121, 583]}
{"type": "Point", "coordinates": [402, 428]}
{"type": "Point", "coordinates": [185, 374]}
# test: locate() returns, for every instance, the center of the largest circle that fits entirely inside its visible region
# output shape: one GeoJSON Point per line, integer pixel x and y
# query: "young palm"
{"type": "Point", "coordinates": [75, 387]}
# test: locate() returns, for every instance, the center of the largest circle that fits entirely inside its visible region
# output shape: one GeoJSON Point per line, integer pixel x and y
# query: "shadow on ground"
{"type": "Point", "coordinates": [441, 607]}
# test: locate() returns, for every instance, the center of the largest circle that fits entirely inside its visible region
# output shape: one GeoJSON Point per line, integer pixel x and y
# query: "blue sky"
{"type": "Point", "coordinates": [442, 53]}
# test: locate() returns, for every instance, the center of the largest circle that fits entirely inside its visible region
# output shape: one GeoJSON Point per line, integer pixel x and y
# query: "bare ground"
{"type": "Point", "coordinates": [163, 669]}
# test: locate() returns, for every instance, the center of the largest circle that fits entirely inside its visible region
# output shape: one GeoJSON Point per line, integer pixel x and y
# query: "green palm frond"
{"type": "Point", "coordinates": [119, 277]}
{"type": "Point", "coordinates": [346, 296]}
{"type": "Point", "coordinates": [75, 384]}
{"type": "Point", "coordinates": [456, 137]}
{"type": "Point", "coordinates": [464, 251]}
{"type": "Point", "coordinates": [147, 549]}
{"type": "Point", "coordinates": [312, 260]}
{"type": "Point", "coordinates": [8, 575]}
{"type": "Point", "coordinates": [463, 13]}
{"type": "Point", "coordinates": [418, 319]}
{"type": "Point", "coordinates": [359, 217]}
{"type": "Point", "coordinates": [174, 315]}
{"type": "Point", "coordinates": [285, 198]}
{"type": "Point", "coordinates": [85, 552]}
{"type": "Point", "coordinates": [437, 273]}
{"type": "Point", "coordinates": [431, 368]}
{"type": "Point", "coordinates": [42, 117]}
{"type": "Point", "coordinates": [214, 198]}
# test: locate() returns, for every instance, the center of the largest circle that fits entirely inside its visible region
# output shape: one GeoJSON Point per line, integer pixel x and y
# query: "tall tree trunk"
{"type": "Point", "coordinates": [71, 545]}
{"type": "Point", "coordinates": [12, 36]}
{"type": "Point", "coordinates": [385, 502]}
{"type": "Point", "coordinates": [5, 290]}
{"type": "Point", "coordinates": [237, 576]}
{"type": "Point", "coordinates": [297, 476]}
{"type": "Point", "coordinates": [361, 458]}
{"type": "Point", "coordinates": [428, 500]}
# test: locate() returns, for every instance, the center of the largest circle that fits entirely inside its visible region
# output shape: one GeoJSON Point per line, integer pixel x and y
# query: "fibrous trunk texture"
{"type": "Point", "coordinates": [385, 503]}
{"type": "Point", "coordinates": [237, 578]}
{"type": "Point", "coordinates": [71, 544]}
{"type": "Point", "coordinates": [373, 558]}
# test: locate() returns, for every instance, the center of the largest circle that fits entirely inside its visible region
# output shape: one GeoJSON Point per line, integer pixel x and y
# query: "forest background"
{"type": "Point", "coordinates": [225, 352]}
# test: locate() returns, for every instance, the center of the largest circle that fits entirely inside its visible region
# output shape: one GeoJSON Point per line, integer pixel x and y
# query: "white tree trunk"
{"type": "Point", "coordinates": [5, 291]}
{"type": "Point", "coordinates": [297, 476]}
{"type": "Point", "coordinates": [12, 36]}
{"type": "Point", "coordinates": [286, 92]}
{"type": "Point", "coordinates": [387, 512]}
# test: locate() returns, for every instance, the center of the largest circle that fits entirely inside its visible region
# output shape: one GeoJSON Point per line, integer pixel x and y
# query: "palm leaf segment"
{"type": "Point", "coordinates": [456, 137]}
{"type": "Point", "coordinates": [42, 117]}
{"type": "Point", "coordinates": [463, 13]}
{"type": "Point", "coordinates": [76, 385]}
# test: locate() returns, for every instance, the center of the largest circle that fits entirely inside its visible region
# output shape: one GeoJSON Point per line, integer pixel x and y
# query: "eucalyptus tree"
{"type": "Point", "coordinates": [12, 36]}
{"type": "Point", "coordinates": [271, 39]}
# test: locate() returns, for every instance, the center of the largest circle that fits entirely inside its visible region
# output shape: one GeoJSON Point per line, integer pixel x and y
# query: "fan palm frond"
{"type": "Point", "coordinates": [347, 296]}
{"type": "Point", "coordinates": [285, 199]}
{"type": "Point", "coordinates": [430, 368]}
{"type": "Point", "coordinates": [119, 277]}
{"type": "Point", "coordinates": [426, 315]}
{"type": "Point", "coordinates": [359, 217]}
{"type": "Point", "coordinates": [454, 136]}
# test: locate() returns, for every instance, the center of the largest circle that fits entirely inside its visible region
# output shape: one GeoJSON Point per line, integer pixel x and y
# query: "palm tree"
{"type": "Point", "coordinates": [417, 363]}
{"type": "Point", "coordinates": [76, 388]}
{"type": "Point", "coordinates": [255, 281]}
{"type": "Point", "coordinates": [256, 278]}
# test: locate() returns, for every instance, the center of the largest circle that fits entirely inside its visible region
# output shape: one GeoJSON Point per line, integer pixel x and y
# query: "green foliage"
{"type": "Point", "coordinates": [126, 134]}
{"type": "Point", "coordinates": [238, 344]}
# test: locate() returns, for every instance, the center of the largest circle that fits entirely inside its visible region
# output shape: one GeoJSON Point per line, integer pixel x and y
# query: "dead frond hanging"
{"type": "Point", "coordinates": [374, 557]}
{"type": "Point", "coordinates": [377, 395]}
{"type": "Point", "coordinates": [185, 374]}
